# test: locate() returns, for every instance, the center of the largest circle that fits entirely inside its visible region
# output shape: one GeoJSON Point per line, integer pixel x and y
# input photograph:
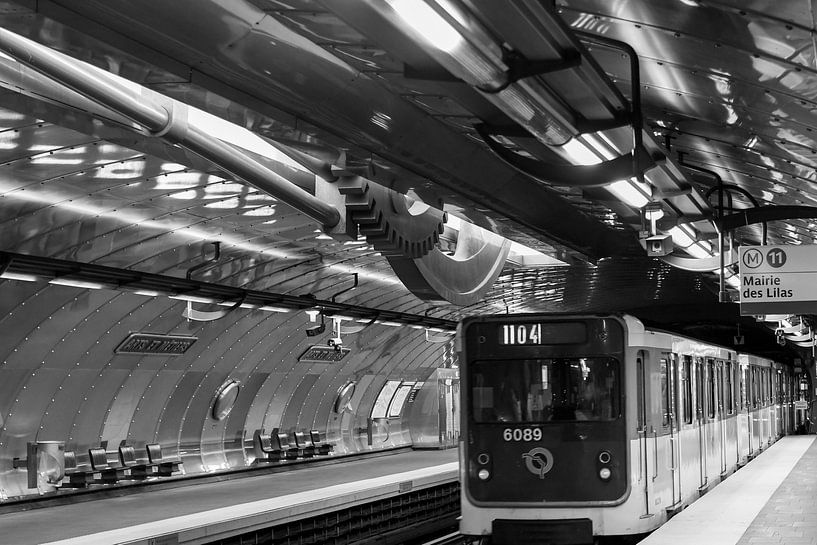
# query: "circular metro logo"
{"type": "Point", "coordinates": [752, 258]}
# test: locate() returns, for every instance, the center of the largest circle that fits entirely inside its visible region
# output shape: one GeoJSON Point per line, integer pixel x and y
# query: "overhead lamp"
{"type": "Point", "coordinates": [232, 304]}
{"type": "Point", "coordinates": [390, 324]}
{"type": "Point", "coordinates": [681, 236]}
{"type": "Point", "coordinates": [313, 314]}
{"type": "Point", "coordinates": [193, 298]}
{"type": "Point", "coordinates": [686, 237]}
{"type": "Point", "coordinates": [147, 293]}
{"type": "Point", "coordinates": [18, 276]}
{"type": "Point", "coordinates": [77, 283]}
{"type": "Point", "coordinates": [428, 23]}
{"type": "Point", "coordinates": [631, 192]}
{"type": "Point", "coordinates": [580, 154]}
{"type": "Point", "coordinates": [270, 308]}
{"type": "Point", "coordinates": [465, 48]}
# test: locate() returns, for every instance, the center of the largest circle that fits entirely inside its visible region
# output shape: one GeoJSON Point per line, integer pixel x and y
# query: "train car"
{"type": "Point", "coordinates": [581, 427]}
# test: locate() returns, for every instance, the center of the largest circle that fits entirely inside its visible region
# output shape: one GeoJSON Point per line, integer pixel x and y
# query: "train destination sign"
{"type": "Point", "coordinates": [537, 333]}
{"type": "Point", "coordinates": [778, 279]}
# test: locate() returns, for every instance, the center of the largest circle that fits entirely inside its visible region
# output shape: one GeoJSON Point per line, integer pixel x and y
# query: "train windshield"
{"type": "Point", "coordinates": [543, 390]}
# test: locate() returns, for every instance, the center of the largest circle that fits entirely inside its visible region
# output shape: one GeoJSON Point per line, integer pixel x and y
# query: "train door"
{"type": "Point", "coordinates": [700, 416]}
{"type": "Point", "coordinates": [712, 425]}
{"type": "Point", "coordinates": [671, 421]}
{"type": "Point", "coordinates": [777, 375]}
{"type": "Point", "coordinates": [720, 415]}
{"type": "Point", "coordinates": [646, 440]}
{"type": "Point", "coordinates": [746, 406]}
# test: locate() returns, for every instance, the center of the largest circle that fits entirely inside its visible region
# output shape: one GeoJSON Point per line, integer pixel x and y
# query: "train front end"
{"type": "Point", "coordinates": [544, 452]}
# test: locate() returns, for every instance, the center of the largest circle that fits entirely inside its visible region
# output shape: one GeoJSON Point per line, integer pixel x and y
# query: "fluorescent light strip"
{"type": "Point", "coordinates": [192, 298]}
{"type": "Point", "coordinates": [17, 276]}
{"type": "Point", "coordinates": [231, 303]}
{"type": "Point", "coordinates": [77, 283]}
{"type": "Point", "coordinates": [579, 153]}
{"type": "Point", "coordinates": [428, 23]}
{"type": "Point", "coordinates": [681, 237]}
{"type": "Point", "coordinates": [628, 192]}
{"type": "Point", "coordinates": [274, 309]}
{"type": "Point", "coordinates": [148, 293]}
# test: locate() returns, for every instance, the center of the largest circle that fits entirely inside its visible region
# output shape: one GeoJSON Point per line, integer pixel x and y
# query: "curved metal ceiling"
{"type": "Point", "coordinates": [726, 88]}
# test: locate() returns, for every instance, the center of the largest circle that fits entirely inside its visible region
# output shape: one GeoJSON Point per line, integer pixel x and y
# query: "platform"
{"type": "Point", "coordinates": [203, 512]}
{"type": "Point", "coordinates": [772, 500]}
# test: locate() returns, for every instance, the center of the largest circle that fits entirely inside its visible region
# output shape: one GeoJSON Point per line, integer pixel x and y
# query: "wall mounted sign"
{"type": "Point", "coordinates": [780, 279]}
{"type": "Point", "coordinates": [154, 344]}
{"type": "Point", "coordinates": [324, 354]}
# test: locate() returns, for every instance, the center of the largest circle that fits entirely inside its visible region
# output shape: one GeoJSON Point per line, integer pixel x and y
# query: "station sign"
{"type": "Point", "coordinates": [153, 344]}
{"type": "Point", "coordinates": [324, 354]}
{"type": "Point", "coordinates": [778, 279]}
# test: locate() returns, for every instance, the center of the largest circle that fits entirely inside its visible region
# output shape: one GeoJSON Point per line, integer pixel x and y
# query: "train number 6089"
{"type": "Point", "coordinates": [519, 434]}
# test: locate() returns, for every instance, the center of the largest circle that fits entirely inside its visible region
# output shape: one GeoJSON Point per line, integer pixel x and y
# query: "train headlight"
{"type": "Point", "coordinates": [605, 473]}
{"type": "Point", "coordinates": [605, 457]}
{"type": "Point", "coordinates": [483, 474]}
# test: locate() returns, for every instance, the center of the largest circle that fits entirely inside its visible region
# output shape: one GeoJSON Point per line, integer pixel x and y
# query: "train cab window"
{"type": "Point", "coordinates": [710, 388]}
{"type": "Point", "coordinates": [686, 388]}
{"type": "Point", "coordinates": [544, 390]}
{"type": "Point", "coordinates": [729, 401]}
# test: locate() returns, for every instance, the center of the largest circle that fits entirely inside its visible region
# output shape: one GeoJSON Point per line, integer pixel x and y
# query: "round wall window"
{"type": "Point", "coordinates": [225, 399]}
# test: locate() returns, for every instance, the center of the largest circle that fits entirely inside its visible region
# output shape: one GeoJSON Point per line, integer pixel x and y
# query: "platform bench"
{"type": "Point", "coordinates": [321, 447]}
{"type": "Point", "coordinates": [163, 466]}
{"type": "Point", "coordinates": [304, 442]}
{"type": "Point", "coordinates": [264, 449]}
{"type": "Point", "coordinates": [138, 470]}
{"type": "Point", "coordinates": [102, 471]}
{"type": "Point", "coordinates": [73, 476]}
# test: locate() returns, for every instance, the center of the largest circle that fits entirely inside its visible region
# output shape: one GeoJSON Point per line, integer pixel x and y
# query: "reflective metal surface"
{"type": "Point", "coordinates": [730, 85]}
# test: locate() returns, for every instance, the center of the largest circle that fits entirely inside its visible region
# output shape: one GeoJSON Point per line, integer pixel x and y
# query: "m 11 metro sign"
{"type": "Point", "coordinates": [778, 279]}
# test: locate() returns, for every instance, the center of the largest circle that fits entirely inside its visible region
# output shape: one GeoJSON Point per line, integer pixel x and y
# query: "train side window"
{"type": "Point", "coordinates": [728, 398]}
{"type": "Point", "coordinates": [686, 388]}
{"type": "Point", "coordinates": [710, 388]}
{"type": "Point", "coordinates": [699, 389]}
{"type": "Point", "coordinates": [769, 386]}
{"type": "Point", "coordinates": [665, 392]}
{"type": "Point", "coordinates": [753, 388]}
{"type": "Point", "coordinates": [640, 393]}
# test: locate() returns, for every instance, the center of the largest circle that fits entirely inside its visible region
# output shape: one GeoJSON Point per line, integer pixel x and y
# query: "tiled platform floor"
{"type": "Point", "coordinates": [772, 500]}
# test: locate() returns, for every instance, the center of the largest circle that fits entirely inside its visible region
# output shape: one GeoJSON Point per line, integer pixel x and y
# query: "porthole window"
{"type": "Point", "coordinates": [225, 399]}
{"type": "Point", "coordinates": [344, 396]}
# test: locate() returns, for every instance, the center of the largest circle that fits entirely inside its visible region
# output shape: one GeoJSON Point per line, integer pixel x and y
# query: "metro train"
{"type": "Point", "coordinates": [575, 428]}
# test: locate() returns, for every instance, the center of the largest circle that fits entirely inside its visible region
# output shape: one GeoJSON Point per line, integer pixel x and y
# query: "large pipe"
{"type": "Point", "coordinates": [102, 88]}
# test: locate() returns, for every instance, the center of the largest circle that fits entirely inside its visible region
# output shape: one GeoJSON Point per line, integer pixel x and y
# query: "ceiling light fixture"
{"type": "Point", "coordinates": [631, 192]}
{"type": "Point", "coordinates": [17, 276]}
{"type": "Point", "coordinates": [77, 283]}
{"type": "Point", "coordinates": [465, 48]}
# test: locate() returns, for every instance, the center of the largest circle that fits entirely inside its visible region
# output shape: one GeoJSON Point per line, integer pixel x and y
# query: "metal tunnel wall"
{"type": "Point", "coordinates": [62, 380]}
